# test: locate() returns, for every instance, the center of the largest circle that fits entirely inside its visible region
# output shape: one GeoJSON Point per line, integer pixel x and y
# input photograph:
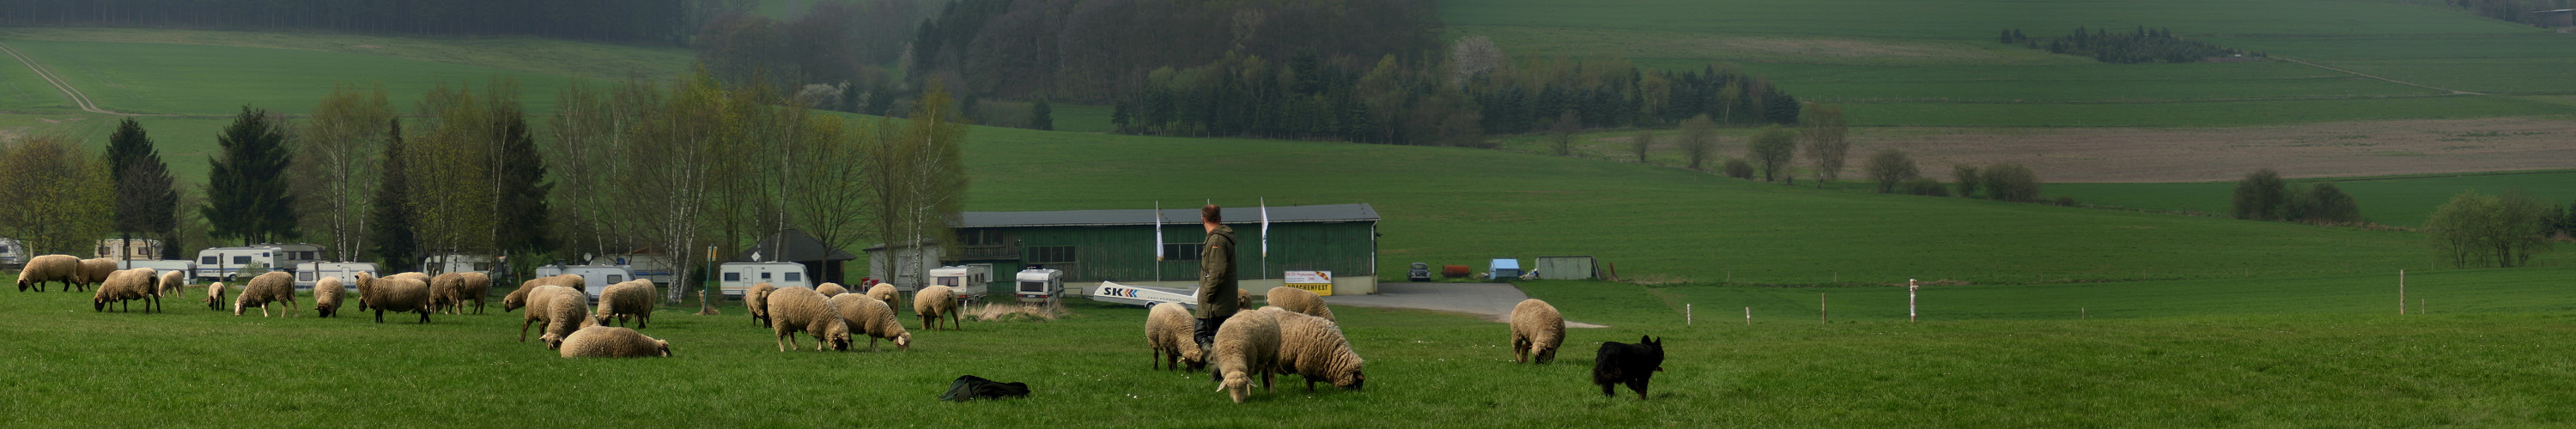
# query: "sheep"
{"type": "Point", "coordinates": [1169, 331]}
{"type": "Point", "coordinates": [1537, 329]}
{"type": "Point", "coordinates": [1247, 345]}
{"type": "Point", "coordinates": [1312, 347]}
{"type": "Point", "coordinates": [800, 309]}
{"type": "Point", "coordinates": [363, 281]}
{"type": "Point", "coordinates": [448, 292]}
{"type": "Point", "coordinates": [886, 292]}
{"type": "Point", "coordinates": [573, 281]}
{"type": "Point", "coordinates": [873, 318]}
{"type": "Point", "coordinates": [95, 271]}
{"type": "Point", "coordinates": [173, 281]}
{"type": "Point", "coordinates": [536, 299]}
{"type": "Point", "coordinates": [565, 312]}
{"type": "Point", "coordinates": [1299, 300]}
{"type": "Point", "coordinates": [327, 294]}
{"type": "Point", "coordinates": [273, 286]}
{"type": "Point", "coordinates": [215, 296]}
{"type": "Point", "coordinates": [934, 301]}
{"type": "Point", "coordinates": [610, 341]}
{"type": "Point", "coordinates": [398, 293]}
{"type": "Point", "coordinates": [756, 302]}
{"type": "Point", "coordinates": [51, 268]}
{"type": "Point", "coordinates": [831, 290]}
{"type": "Point", "coordinates": [125, 285]}
{"type": "Point", "coordinates": [477, 286]}
{"type": "Point", "coordinates": [629, 300]}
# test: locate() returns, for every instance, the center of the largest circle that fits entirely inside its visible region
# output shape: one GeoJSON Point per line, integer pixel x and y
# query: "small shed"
{"type": "Point", "coordinates": [2554, 18]}
{"type": "Point", "coordinates": [1566, 267]}
{"type": "Point", "coordinates": [793, 245]}
{"type": "Point", "coordinates": [1503, 269]}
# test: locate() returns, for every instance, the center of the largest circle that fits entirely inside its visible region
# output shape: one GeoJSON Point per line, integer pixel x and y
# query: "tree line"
{"type": "Point", "coordinates": [2516, 11]}
{"type": "Point", "coordinates": [664, 22]}
{"type": "Point", "coordinates": [2143, 45]}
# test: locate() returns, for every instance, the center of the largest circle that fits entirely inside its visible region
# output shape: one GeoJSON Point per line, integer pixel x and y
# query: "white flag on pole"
{"type": "Point", "coordinates": [1158, 230]}
{"type": "Point", "coordinates": [1265, 227]}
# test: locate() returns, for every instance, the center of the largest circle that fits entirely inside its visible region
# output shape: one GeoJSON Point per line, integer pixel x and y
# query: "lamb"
{"type": "Point", "coordinates": [1247, 345]}
{"type": "Point", "coordinates": [609, 341]}
{"type": "Point", "coordinates": [629, 300]}
{"type": "Point", "coordinates": [1313, 347]}
{"type": "Point", "coordinates": [831, 290]}
{"type": "Point", "coordinates": [215, 296]}
{"type": "Point", "coordinates": [565, 312]}
{"type": "Point", "coordinates": [95, 271]}
{"type": "Point", "coordinates": [1169, 331]}
{"type": "Point", "coordinates": [873, 318]}
{"type": "Point", "coordinates": [536, 299]}
{"type": "Point", "coordinates": [800, 309]}
{"type": "Point", "coordinates": [327, 294]}
{"type": "Point", "coordinates": [1537, 329]}
{"type": "Point", "coordinates": [756, 302]}
{"type": "Point", "coordinates": [1299, 300]}
{"type": "Point", "coordinates": [448, 292]}
{"type": "Point", "coordinates": [123, 286]}
{"type": "Point", "coordinates": [51, 268]}
{"type": "Point", "coordinates": [933, 301]}
{"type": "Point", "coordinates": [273, 286]}
{"type": "Point", "coordinates": [171, 282]}
{"type": "Point", "coordinates": [886, 292]}
{"type": "Point", "coordinates": [398, 293]}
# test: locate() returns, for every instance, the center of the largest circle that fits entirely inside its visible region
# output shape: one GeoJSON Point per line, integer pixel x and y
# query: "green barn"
{"type": "Point", "coordinates": [1092, 246]}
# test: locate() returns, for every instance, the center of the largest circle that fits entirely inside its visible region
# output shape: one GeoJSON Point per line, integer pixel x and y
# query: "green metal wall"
{"type": "Point", "coordinates": [1126, 253]}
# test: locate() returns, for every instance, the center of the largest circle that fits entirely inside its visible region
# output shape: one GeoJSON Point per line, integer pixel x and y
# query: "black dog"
{"type": "Point", "coordinates": [1634, 364]}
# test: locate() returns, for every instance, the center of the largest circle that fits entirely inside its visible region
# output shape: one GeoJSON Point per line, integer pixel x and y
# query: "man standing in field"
{"type": "Point", "coordinates": [1217, 288]}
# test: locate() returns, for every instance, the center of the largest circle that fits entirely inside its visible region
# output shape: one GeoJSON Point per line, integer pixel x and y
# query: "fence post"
{"type": "Point", "coordinates": [1748, 316]}
{"type": "Point", "coordinates": [1823, 315]}
{"type": "Point", "coordinates": [2401, 292]}
{"type": "Point", "coordinates": [1910, 288]}
{"type": "Point", "coordinates": [1686, 315]}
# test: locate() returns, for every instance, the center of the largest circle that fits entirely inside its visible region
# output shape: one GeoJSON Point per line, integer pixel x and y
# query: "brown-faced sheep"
{"type": "Point", "coordinates": [566, 311]}
{"type": "Point", "coordinates": [1312, 347]}
{"type": "Point", "coordinates": [448, 292]}
{"type": "Point", "coordinates": [829, 290]}
{"type": "Point", "coordinates": [215, 296]}
{"type": "Point", "coordinates": [609, 341]}
{"type": "Point", "coordinates": [273, 286]}
{"type": "Point", "coordinates": [535, 299]}
{"type": "Point", "coordinates": [632, 300]}
{"type": "Point", "coordinates": [171, 282]}
{"type": "Point", "coordinates": [397, 293]}
{"type": "Point", "coordinates": [1299, 300]}
{"type": "Point", "coordinates": [873, 318]}
{"type": "Point", "coordinates": [1537, 330]}
{"type": "Point", "coordinates": [934, 301]}
{"type": "Point", "coordinates": [51, 268]}
{"type": "Point", "coordinates": [886, 292]}
{"type": "Point", "coordinates": [1246, 346]}
{"type": "Point", "coordinates": [756, 301]}
{"type": "Point", "coordinates": [800, 309]}
{"type": "Point", "coordinates": [1168, 329]}
{"type": "Point", "coordinates": [477, 285]}
{"type": "Point", "coordinates": [95, 271]}
{"type": "Point", "coordinates": [123, 286]}
{"type": "Point", "coordinates": [327, 296]}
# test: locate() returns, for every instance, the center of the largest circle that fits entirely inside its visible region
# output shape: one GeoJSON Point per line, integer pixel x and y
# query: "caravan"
{"type": "Point", "coordinates": [12, 252]}
{"type": "Point", "coordinates": [737, 277]}
{"type": "Point", "coordinates": [1039, 285]}
{"type": "Point", "coordinates": [129, 250]}
{"type": "Point", "coordinates": [594, 278]}
{"type": "Point", "coordinates": [231, 263]}
{"type": "Point", "coordinates": [292, 254]}
{"type": "Point", "coordinates": [456, 263]}
{"type": "Point", "coordinates": [307, 274]}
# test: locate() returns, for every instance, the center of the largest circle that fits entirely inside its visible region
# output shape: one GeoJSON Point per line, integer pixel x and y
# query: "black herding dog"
{"type": "Point", "coordinates": [1633, 364]}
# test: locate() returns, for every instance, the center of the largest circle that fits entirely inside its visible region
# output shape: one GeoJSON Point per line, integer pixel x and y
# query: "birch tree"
{"type": "Point", "coordinates": [340, 140]}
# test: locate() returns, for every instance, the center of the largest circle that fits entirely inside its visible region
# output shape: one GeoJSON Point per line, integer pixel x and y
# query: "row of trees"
{"type": "Point", "coordinates": [2483, 230]}
{"type": "Point", "coordinates": [840, 52]}
{"type": "Point", "coordinates": [1095, 51]}
{"type": "Point", "coordinates": [2143, 45]}
{"type": "Point", "coordinates": [666, 22]}
{"type": "Point", "coordinates": [1895, 172]}
{"type": "Point", "coordinates": [2518, 11]}
{"type": "Point", "coordinates": [2263, 195]}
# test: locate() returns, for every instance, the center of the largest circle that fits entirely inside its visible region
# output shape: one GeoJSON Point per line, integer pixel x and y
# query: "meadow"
{"type": "Point", "coordinates": [2398, 201]}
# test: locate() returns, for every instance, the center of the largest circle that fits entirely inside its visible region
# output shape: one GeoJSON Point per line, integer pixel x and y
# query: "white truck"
{"type": "Point", "coordinates": [309, 273]}
{"type": "Point", "coordinates": [735, 277]}
{"type": "Point", "coordinates": [594, 278]}
{"type": "Point", "coordinates": [234, 263]}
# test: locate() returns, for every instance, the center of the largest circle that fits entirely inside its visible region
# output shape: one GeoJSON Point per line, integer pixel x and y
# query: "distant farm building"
{"type": "Point", "coordinates": [1091, 246]}
{"type": "Point", "coordinates": [2554, 18]}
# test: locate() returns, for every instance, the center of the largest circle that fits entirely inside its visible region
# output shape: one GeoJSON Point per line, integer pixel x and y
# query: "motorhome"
{"type": "Point", "coordinates": [968, 280]}
{"type": "Point", "coordinates": [136, 249]}
{"type": "Point", "coordinates": [1038, 285]}
{"type": "Point", "coordinates": [12, 252]}
{"type": "Point", "coordinates": [735, 277]}
{"type": "Point", "coordinates": [594, 278]}
{"type": "Point", "coordinates": [456, 263]}
{"type": "Point", "coordinates": [296, 253]}
{"type": "Point", "coordinates": [230, 263]}
{"type": "Point", "coordinates": [307, 274]}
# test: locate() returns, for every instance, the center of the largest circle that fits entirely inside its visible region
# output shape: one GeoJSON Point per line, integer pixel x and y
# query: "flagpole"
{"type": "Point", "coordinates": [1265, 237]}
{"type": "Point", "coordinates": [1158, 241]}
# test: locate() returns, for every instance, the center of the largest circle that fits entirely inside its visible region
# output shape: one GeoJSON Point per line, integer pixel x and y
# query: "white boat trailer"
{"type": "Point", "coordinates": [1143, 296]}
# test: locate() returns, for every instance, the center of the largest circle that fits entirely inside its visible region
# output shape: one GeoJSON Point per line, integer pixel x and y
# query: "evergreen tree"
{"type": "Point", "coordinates": [147, 197]}
{"type": "Point", "coordinates": [522, 199]}
{"type": "Point", "coordinates": [246, 195]}
{"type": "Point", "coordinates": [389, 219]}
{"type": "Point", "coordinates": [1041, 117]}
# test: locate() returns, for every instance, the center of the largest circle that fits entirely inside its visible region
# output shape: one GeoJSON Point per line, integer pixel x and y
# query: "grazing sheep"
{"type": "Point", "coordinates": [215, 296]}
{"type": "Point", "coordinates": [1537, 330]}
{"type": "Point", "coordinates": [95, 271]}
{"type": "Point", "coordinates": [565, 312]}
{"type": "Point", "coordinates": [1168, 329]}
{"type": "Point", "coordinates": [363, 281]}
{"type": "Point", "coordinates": [327, 294]}
{"type": "Point", "coordinates": [536, 299]}
{"type": "Point", "coordinates": [366, 282]}
{"type": "Point", "coordinates": [123, 286]}
{"type": "Point", "coordinates": [1247, 345]}
{"type": "Point", "coordinates": [573, 281]}
{"type": "Point", "coordinates": [756, 302]}
{"type": "Point", "coordinates": [609, 341]}
{"type": "Point", "coordinates": [477, 285]}
{"type": "Point", "coordinates": [831, 290]}
{"type": "Point", "coordinates": [273, 286]}
{"type": "Point", "coordinates": [873, 318]}
{"type": "Point", "coordinates": [624, 301]}
{"type": "Point", "coordinates": [886, 292]}
{"type": "Point", "coordinates": [800, 309]}
{"type": "Point", "coordinates": [445, 291]}
{"type": "Point", "coordinates": [398, 293]}
{"type": "Point", "coordinates": [50, 268]}
{"type": "Point", "coordinates": [1299, 300]}
{"type": "Point", "coordinates": [172, 282]}
{"type": "Point", "coordinates": [1313, 347]}
{"type": "Point", "coordinates": [934, 301]}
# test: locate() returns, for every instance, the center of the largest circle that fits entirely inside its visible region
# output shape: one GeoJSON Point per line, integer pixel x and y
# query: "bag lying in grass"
{"type": "Point", "coordinates": [968, 388]}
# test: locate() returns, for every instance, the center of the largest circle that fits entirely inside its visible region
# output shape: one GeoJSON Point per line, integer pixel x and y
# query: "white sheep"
{"type": "Point", "coordinates": [477, 285]}
{"type": "Point", "coordinates": [398, 293]}
{"type": "Point", "coordinates": [96, 270]}
{"type": "Point", "coordinates": [1312, 347]}
{"type": "Point", "coordinates": [829, 290]}
{"type": "Point", "coordinates": [1537, 330]}
{"type": "Point", "coordinates": [51, 268]}
{"type": "Point", "coordinates": [172, 282]}
{"type": "Point", "coordinates": [632, 300]}
{"type": "Point", "coordinates": [610, 341]}
{"type": "Point", "coordinates": [756, 301]}
{"type": "Point", "coordinates": [1299, 300]}
{"type": "Point", "coordinates": [536, 299]}
{"type": "Point", "coordinates": [1246, 346]}
{"type": "Point", "coordinates": [215, 296]}
{"type": "Point", "coordinates": [934, 301]}
{"type": "Point", "coordinates": [573, 281]}
{"type": "Point", "coordinates": [273, 286]}
{"type": "Point", "coordinates": [327, 295]}
{"type": "Point", "coordinates": [1170, 331]}
{"type": "Point", "coordinates": [886, 292]}
{"type": "Point", "coordinates": [123, 286]}
{"type": "Point", "coordinates": [566, 311]}
{"type": "Point", "coordinates": [873, 318]}
{"type": "Point", "coordinates": [800, 309]}
{"type": "Point", "coordinates": [448, 292]}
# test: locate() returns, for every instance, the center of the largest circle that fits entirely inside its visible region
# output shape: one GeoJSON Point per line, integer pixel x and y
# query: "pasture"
{"type": "Point", "coordinates": [2398, 201]}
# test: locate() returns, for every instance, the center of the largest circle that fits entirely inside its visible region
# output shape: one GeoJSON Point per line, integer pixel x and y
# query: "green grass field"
{"type": "Point", "coordinates": [219, 80]}
{"type": "Point", "coordinates": [2399, 201]}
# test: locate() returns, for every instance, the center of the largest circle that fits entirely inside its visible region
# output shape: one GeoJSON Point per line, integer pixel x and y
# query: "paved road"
{"type": "Point", "coordinates": [1494, 301]}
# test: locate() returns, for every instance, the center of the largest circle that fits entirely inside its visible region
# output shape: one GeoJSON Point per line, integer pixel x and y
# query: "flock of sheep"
{"type": "Point", "coordinates": [834, 315]}
{"type": "Point", "coordinates": [1294, 335]}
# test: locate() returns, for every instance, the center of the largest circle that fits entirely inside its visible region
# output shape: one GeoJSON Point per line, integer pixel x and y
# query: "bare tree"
{"type": "Point", "coordinates": [1643, 143]}
{"type": "Point", "coordinates": [673, 155]}
{"type": "Point", "coordinates": [450, 174]}
{"type": "Point", "coordinates": [1889, 167]}
{"type": "Point", "coordinates": [340, 139]}
{"type": "Point", "coordinates": [1698, 141]}
{"type": "Point", "coordinates": [1772, 148]}
{"type": "Point", "coordinates": [1561, 135]}
{"type": "Point", "coordinates": [1825, 135]}
{"type": "Point", "coordinates": [920, 178]}
{"type": "Point", "coordinates": [829, 195]}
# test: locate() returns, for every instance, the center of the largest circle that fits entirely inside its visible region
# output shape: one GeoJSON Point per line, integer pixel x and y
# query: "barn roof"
{"type": "Point", "coordinates": [1182, 216]}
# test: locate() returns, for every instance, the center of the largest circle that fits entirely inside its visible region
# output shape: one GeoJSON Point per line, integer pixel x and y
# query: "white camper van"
{"type": "Point", "coordinates": [1038, 285]}
{"type": "Point", "coordinates": [968, 280]}
{"type": "Point", "coordinates": [735, 277]}
{"type": "Point", "coordinates": [12, 252]}
{"type": "Point", "coordinates": [455, 263]}
{"type": "Point", "coordinates": [229, 263]}
{"type": "Point", "coordinates": [594, 278]}
{"type": "Point", "coordinates": [129, 250]}
{"type": "Point", "coordinates": [292, 254]}
{"type": "Point", "coordinates": [309, 273]}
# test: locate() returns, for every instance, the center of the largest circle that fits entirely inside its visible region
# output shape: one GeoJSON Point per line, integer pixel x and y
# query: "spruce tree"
{"type": "Point", "coordinates": [1041, 117]}
{"type": "Point", "coordinates": [147, 197]}
{"type": "Point", "coordinates": [246, 195]}
{"type": "Point", "coordinates": [389, 219]}
{"type": "Point", "coordinates": [522, 198]}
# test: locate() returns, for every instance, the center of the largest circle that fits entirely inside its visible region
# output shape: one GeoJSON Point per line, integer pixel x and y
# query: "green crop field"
{"type": "Point", "coordinates": [2399, 201]}
{"type": "Point", "coordinates": [217, 80]}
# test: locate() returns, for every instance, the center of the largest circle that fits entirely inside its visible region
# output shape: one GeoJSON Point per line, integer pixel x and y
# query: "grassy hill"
{"type": "Point", "coordinates": [2401, 201]}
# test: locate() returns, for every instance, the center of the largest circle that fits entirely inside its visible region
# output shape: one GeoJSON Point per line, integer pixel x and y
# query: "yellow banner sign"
{"type": "Point", "coordinates": [1319, 282]}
